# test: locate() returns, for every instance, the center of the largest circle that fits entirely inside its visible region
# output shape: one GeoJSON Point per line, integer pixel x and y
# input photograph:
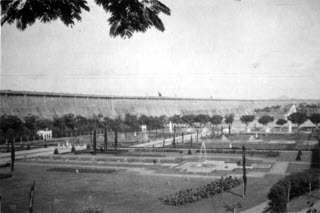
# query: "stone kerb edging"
{"type": "Point", "coordinates": [37, 152]}
{"type": "Point", "coordinates": [32, 151]}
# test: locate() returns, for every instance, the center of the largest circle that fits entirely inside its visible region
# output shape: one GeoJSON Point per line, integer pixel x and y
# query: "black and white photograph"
{"type": "Point", "coordinates": [160, 106]}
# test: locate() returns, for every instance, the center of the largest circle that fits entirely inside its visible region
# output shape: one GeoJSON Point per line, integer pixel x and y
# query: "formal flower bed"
{"type": "Point", "coordinates": [155, 150]}
{"type": "Point", "coordinates": [81, 170]}
{"type": "Point", "coordinates": [193, 195]}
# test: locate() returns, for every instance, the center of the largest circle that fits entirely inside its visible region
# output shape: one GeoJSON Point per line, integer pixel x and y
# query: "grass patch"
{"type": "Point", "coordinates": [295, 167]}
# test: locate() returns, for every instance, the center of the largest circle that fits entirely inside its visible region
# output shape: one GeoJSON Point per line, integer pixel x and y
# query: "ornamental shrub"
{"type": "Point", "coordinates": [73, 149]}
{"type": "Point", "coordinates": [55, 152]}
{"type": "Point", "coordinates": [88, 146]}
{"type": "Point", "coordinates": [189, 152]}
{"type": "Point", "coordinates": [272, 154]}
{"type": "Point", "coordinates": [298, 158]}
{"type": "Point", "coordinates": [28, 147]}
{"type": "Point", "coordinates": [299, 185]}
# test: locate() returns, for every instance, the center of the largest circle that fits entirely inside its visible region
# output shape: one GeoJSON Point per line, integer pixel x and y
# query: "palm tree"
{"type": "Point", "coordinates": [127, 17]}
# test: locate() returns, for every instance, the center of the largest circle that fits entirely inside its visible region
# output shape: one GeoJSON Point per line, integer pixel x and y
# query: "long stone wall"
{"type": "Point", "coordinates": [48, 105]}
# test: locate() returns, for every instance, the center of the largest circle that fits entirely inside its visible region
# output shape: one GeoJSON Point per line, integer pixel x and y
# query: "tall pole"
{"type": "Point", "coordinates": [174, 138]}
{"type": "Point", "coordinates": [244, 170]}
{"type": "Point", "coordinates": [182, 136]}
{"type": "Point", "coordinates": [94, 142]}
{"type": "Point", "coordinates": [13, 157]}
{"type": "Point", "coordinates": [105, 139]}
{"type": "Point", "coordinates": [116, 139]}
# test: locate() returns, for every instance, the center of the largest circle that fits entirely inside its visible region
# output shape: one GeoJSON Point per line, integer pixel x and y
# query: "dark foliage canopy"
{"type": "Point", "coordinates": [298, 118]}
{"type": "Point", "coordinates": [281, 121]}
{"type": "Point", "coordinates": [229, 118]}
{"type": "Point", "coordinates": [315, 118]}
{"type": "Point", "coordinates": [247, 119]}
{"type": "Point", "coordinates": [126, 16]}
{"type": "Point", "coordinates": [265, 119]}
{"type": "Point", "coordinates": [216, 119]}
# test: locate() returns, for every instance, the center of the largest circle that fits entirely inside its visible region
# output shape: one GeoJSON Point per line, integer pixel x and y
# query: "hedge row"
{"type": "Point", "coordinates": [193, 195]}
{"type": "Point", "coordinates": [299, 185]}
{"type": "Point", "coordinates": [238, 151]}
{"type": "Point", "coordinates": [156, 150]}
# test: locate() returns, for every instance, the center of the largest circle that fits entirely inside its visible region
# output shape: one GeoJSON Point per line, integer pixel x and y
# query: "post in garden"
{"type": "Point", "coordinates": [94, 142]}
{"type": "Point", "coordinates": [31, 197]}
{"type": "Point", "coordinates": [105, 139]}
{"type": "Point", "coordinates": [197, 135]}
{"type": "Point", "coordinates": [174, 138]}
{"type": "Point", "coordinates": [182, 136]}
{"type": "Point", "coordinates": [90, 138]}
{"type": "Point", "coordinates": [115, 139]}
{"type": "Point", "coordinates": [244, 170]}
{"type": "Point", "coordinates": [13, 157]}
{"type": "Point", "coordinates": [191, 141]}
{"type": "Point", "coordinates": [288, 196]}
{"type": "Point", "coordinates": [229, 129]}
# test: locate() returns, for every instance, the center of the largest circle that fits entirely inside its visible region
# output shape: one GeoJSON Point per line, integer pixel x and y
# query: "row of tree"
{"type": "Point", "coordinates": [304, 108]}
{"type": "Point", "coordinates": [297, 118]}
{"type": "Point", "coordinates": [12, 126]}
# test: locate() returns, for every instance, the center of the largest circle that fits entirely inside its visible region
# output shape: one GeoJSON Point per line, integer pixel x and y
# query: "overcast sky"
{"type": "Point", "coordinates": [248, 49]}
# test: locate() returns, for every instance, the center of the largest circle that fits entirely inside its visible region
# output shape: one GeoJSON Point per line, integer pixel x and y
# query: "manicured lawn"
{"type": "Point", "coordinates": [119, 191]}
{"type": "Point", "coordinates": [294, 167]}
{"type": "Point", "coordinates": [291, 156]}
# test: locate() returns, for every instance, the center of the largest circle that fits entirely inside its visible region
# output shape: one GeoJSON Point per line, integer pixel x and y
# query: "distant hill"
{"type": "Point", "coordinates": [283, 97]}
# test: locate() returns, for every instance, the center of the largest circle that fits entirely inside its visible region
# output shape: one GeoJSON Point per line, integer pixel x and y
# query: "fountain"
{"type": "Point", "coordinates": [251, 138]}
{"type": "Point", "coordinates": [292, 110]}
{"type": "Point", "coordinates": [224, 139]}
{"type": "Point", "coordinates": [203, 154]}
{"type": "Point", "coordinates": [208, 166]}
{"type": "Point", "coordinates": [170, 127]}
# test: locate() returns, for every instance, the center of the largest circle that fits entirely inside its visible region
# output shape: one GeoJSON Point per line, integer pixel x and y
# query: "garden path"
{"type": "Point", "coordinates": [279, 168]}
